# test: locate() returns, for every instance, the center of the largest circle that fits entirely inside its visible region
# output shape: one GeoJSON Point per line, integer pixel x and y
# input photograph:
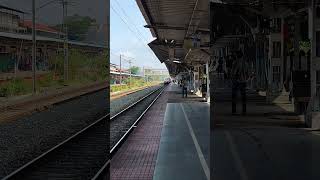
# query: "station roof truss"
{"type": "Point", "coordinates": [249, 16]}
{"type": "Point", "coordinates": [176, 25]}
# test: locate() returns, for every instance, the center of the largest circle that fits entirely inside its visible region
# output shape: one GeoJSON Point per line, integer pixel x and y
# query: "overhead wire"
{"type": "Point", "coordinates": [130, 20]}
{"type": "Point", "coordinates": [130, 29]}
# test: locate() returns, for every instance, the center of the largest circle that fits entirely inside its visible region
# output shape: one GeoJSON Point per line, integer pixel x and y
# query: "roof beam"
{"type": "Point", "coordinates": [165, 27]}
{"type": "Point", "coordinates": [148, 14]}
{"type": "Point", "coordinates": [192, 18]}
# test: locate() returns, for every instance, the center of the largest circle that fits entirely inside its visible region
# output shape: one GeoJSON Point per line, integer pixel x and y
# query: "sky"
{"type": "Point", "coordinates": [129, 37]}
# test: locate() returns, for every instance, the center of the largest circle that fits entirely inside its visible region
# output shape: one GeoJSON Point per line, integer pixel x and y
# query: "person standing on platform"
{"type": "Point", "coordinates": [184, 88]}
{"type": "Point", "coordinates": [240, 76]}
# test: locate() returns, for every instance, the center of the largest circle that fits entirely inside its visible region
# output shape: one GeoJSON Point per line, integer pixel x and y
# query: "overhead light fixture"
{"type": "Point", "coordinates": [172, 41]}
{"type": "Point", "coordinates": [175, 61]}
{"type": "Point", "coordinates": [166, 41]}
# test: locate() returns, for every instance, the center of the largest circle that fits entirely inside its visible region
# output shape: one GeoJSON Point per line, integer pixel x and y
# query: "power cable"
{"type": "Point", "coordinates": [129, 28]}
{"type": "Point", "coordinates": [130, 20]}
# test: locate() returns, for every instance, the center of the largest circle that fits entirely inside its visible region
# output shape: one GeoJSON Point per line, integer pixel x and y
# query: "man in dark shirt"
{"type": "Point", "coordinates": [240, 76]}
{"type": "Point", "coordinates": [184, 88]}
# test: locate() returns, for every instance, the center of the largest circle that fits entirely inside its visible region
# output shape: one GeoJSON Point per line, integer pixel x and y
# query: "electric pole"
{"type": "Point", "coordinates": [130, 62]}
{"type": "Point", "coordinates": [66, 53]}
{"type": "Point", "coordinates": [33, 47]}
{"type": "Point", "coordinates": [120, 70]}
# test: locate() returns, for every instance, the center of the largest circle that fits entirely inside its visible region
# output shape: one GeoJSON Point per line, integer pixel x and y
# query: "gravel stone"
{"type": "Point", "coordinates": [121, 103]}
{"type": "Point", "coordinates": [26, 138]}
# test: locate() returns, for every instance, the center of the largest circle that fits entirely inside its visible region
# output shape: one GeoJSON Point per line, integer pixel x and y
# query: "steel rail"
{"type": "Point", "coordinates": [11, 175]}
{"type": "Point", "coordinates": [100, 173]}
{"type": "Point", "coordinates": [122, 139]}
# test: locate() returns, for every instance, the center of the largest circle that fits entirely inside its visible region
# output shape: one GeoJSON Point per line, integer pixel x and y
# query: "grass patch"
{"type": "Point", "coordinates": [14, 87]}
{"type": "Point", "coordinates": [134, 83]}
{"type": "Point", "coordinates": [83, 69]}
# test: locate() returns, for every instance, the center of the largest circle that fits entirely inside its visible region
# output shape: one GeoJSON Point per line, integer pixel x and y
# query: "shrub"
{"type": "Point", "coordinates": [14, 87]}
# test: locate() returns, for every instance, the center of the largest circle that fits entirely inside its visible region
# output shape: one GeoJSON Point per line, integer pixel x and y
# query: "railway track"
{"type": "Point", "coordinates": [79, 157]}
{"type": "Point", "coordinates": [126, 120]}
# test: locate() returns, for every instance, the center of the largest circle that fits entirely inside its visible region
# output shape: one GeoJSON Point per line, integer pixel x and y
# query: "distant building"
{"type": "Point", "coordinates": [10, 20]}
{"type": "Point", "coordinates": [151, 74]}
{"type": "Point", "coordinates": [42, 29]}
{"type": "Point", "coordinates": [16, 46]}
{"type": "Point", "coordinates": [116, 75]}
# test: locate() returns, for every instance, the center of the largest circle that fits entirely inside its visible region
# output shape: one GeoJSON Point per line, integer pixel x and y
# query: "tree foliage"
{"type": "Point", "coordinates": [78, 26]}
{"type": "Point", "coordinates": [134, 70]}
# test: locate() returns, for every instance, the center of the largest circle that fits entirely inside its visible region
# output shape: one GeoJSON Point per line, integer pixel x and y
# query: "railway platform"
{"type": "Point", "coordinates": [269, 142]}
{"type": "Point", "coordinates": [170, 142]}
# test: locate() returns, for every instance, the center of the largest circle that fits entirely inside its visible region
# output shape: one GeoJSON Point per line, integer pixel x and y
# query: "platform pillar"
{"type": "Point", "coordinates": [313, 111]}
{"type": "Point", "coordinates": [208, 82]}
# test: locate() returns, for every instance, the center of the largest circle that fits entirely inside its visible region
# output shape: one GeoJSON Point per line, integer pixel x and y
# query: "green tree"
{"type": "Point", "coordinates": [134, 70]}
{"type": "Point", "coordinates": [78, 26]}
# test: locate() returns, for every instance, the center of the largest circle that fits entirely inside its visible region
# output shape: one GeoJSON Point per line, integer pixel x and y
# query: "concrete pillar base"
{"type": "Point", "coordinates": [313, 120]}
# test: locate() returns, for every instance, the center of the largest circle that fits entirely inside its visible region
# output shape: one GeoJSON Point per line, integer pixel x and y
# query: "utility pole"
{"type": "Point", "coordinates": [144, 75]}
{"type": "Point", "coordinates": [33, 47]}
{"type": "Point", "coordinates": [66, 53]}
{"type": "Point", "coordinates": [120, 70]}
{"type": "Point", "coordinates": [130, 62]}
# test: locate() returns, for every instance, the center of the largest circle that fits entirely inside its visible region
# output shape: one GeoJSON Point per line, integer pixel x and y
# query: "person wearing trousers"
{"type": "Point", "coordinates": [240, 76]}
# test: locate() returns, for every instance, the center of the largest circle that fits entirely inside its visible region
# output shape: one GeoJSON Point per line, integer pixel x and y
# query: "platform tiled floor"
{"type": "Point", "coordinates": [184, 146]}
{"type": "Point", "coordinates": [137, 157]}
{"type": "Point", "coordinates": [270, 142]}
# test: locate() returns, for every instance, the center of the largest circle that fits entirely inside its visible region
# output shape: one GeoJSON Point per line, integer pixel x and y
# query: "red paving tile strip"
{"type": "Point", "coordinates": [136, 159]}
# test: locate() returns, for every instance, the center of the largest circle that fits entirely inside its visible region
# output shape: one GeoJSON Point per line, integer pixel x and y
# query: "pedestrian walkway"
{"type": "Point", "coordinates": [185, 143]}
{"type": "Point", "coordinates": [259, 112]}
{"type": "Point", "coordinates": [270, 142]}
{"type": "Point", "coordinates": [170, 142]}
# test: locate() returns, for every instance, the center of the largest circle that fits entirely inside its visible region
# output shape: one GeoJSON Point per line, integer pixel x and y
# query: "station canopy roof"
{"type": "Point", "coordinates": [181, 29]}
{"type": "Point", "coordinates": [244, 14]}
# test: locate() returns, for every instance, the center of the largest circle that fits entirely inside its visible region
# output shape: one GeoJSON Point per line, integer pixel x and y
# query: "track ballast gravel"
{"type": "Point", "coordinates": [24, 139]}
{"type": "Point", "coordinates": [119, 104]}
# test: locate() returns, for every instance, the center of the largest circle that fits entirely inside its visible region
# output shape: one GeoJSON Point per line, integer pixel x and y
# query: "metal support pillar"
{"type": "Point", "coordinates": [312, 114]}
{"type": "Point", "coordinates": [33, 47]}
{"type": "Point", "coordinates": [208, 82]}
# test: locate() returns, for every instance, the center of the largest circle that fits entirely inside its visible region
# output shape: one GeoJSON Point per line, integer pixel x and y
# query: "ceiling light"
{"type": "Point", "coordinates": [176, 61]}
